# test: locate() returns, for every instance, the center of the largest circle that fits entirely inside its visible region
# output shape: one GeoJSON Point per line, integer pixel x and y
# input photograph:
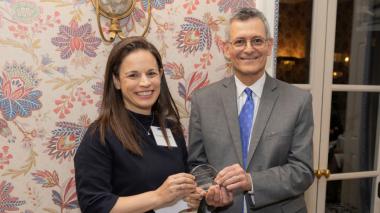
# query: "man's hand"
{"type": "Point", "coordinates": [234, 178]}
{"type": "Point", "coordinates": [218, 196]}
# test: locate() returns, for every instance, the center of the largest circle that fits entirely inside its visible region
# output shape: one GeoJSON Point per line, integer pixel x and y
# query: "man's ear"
{"type": "Point", "coordinates": [226, 50]}
{"type": "Point", "coordinates": [116, 82]}
{"type": "Point", "coordinates": [270, 46]}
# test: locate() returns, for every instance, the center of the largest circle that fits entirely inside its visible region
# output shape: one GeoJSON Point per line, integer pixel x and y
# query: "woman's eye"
{"type": "Point", "coordinates": [132, 75]}
{"type": "Point", "coordinates": [152, 74]}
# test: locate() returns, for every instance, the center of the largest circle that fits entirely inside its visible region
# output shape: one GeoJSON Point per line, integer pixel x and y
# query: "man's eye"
{"type": "Point", "coordinates": [239, 43]}
{"type": "Point", "coordinates": [257, 41]}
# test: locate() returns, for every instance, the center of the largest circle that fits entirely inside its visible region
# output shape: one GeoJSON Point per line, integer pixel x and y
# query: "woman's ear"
{"type": "Point", "coordinates": [116, 82]}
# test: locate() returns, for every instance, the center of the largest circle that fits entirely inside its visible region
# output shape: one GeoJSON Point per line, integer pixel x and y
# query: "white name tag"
{"type": "Point", "coordinates": [159, 137]}
{"type": "Point", "coordinates": [179, 206]}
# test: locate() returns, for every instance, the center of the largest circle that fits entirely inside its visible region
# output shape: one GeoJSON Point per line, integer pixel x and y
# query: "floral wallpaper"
{"type": "Point", "coordinates": [51, 80]}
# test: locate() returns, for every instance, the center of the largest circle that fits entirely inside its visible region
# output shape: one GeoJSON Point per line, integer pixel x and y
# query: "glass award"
{"type": "Point", "coordinates": [204, 175]}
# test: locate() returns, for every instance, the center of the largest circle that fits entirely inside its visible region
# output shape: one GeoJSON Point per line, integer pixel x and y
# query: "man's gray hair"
{"type": "Point", "coordinates": [245, 14]}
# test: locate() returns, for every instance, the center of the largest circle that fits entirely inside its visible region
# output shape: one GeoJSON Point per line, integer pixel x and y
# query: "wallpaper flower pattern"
{"type": "Point", "coordinates": [51, 81]}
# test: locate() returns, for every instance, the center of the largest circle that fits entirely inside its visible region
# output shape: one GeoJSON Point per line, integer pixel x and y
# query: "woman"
{"type": "Point", "coordinates": [133, 157]}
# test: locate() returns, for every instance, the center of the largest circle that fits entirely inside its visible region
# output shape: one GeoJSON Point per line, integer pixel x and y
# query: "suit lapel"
{"type": "Point", "coordinates": [267, 102]}
{"type": "Point", "coordinates": [228, 94]}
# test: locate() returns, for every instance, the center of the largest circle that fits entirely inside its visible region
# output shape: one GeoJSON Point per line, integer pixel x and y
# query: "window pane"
{"type": "Point", "coordinates": [349, 196]}
{"type": "Point", "coordinates": [294, 35]}
{"type": "Point", "coordinates": [353, 125]}
{"type": "Point", "coordinates": [357, 43]}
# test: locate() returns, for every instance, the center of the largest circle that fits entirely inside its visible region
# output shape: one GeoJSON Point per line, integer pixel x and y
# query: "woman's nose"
{"type": "Point", "coordinates": [144, 81]}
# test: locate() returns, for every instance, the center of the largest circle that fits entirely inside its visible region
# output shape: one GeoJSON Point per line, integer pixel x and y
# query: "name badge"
{"type": "Point", "coordinates": [159, 136]}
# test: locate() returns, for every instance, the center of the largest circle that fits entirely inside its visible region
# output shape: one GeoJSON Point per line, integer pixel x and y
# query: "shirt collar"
{"type": "Point", "coordinates": [257, 87]}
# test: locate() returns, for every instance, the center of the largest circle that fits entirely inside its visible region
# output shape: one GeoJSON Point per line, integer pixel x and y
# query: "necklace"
{"type": "Point", "coordinates": [139, 123]}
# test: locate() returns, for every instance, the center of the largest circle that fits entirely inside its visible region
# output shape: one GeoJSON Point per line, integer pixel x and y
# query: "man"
{"type": "Point", "coordinates": [260, 139]}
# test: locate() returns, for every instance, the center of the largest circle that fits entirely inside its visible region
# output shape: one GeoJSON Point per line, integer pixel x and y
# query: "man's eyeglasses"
{"type": "Point", "coordinates": [240, 43]}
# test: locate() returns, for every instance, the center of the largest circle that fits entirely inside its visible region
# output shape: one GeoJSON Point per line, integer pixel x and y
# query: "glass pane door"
{"type": "Point", "coordinates": [332, 48]}
{"type": "Point", "coordinates": [349, 147]}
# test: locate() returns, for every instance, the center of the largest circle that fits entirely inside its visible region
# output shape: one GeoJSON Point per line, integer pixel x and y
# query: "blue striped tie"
{"type": "Point", "coordinates": [245, 122]}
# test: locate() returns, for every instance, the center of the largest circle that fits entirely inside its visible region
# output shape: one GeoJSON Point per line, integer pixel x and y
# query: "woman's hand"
{"type": "Point", "coordinates": [194, 199]}
{"type": "Point", "coordinates": [175, 187]}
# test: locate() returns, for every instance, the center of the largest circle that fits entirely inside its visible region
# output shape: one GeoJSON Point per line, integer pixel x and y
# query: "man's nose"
{"type": "Point", "coordinates": [249, 46]}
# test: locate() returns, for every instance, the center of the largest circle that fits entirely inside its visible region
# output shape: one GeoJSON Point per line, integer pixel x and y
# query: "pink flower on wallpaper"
{"type": "Point", "coordinates": [66, 139]}
{"type": "Point", "coordinates": [49, 22]}
{"type": "Point", "coordinates": [17, 97]}
{"type": "Point", "coordinates": [195, 35]}
{"type": "Point", "coordinates": [19, 31]}
{"type": "Point", "coordinates": [234, 5]}
{"type": "Point", "coordinates": [190, 6]}
{"type": "Point", "coordinates": [5, 156]}
{"type": "Point", "coordinates": [205, 61]}
{"type": "Point", "coordinates": [8, 203]}
{"type": "Point", "coordinates": [64, 105]}
{"type": "Point", "coordinates": [76, 39]}
{"type": "Point", "coordinates": [83, 97]}
{"type": "Point", "coordinates": [197, 80]}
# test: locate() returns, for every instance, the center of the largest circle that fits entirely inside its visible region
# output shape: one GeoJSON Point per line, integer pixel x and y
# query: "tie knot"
{"type": "Point", "coordinates": [248, 91]}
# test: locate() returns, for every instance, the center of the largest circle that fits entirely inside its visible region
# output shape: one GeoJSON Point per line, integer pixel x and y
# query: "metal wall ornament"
{"type": "Point", "coordinates": [115, 10]}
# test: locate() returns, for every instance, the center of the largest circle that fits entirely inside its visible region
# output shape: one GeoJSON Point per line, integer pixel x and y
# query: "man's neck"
{"type": "Point", "coordinates": [249, 79]}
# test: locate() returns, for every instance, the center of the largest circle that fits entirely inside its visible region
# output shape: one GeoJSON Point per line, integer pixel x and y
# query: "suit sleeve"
{"type": "Point", "coordinates": [93, 170]}
{"type": "Point", "coordinates": [293, 178]}
{"type": "Point", "coordinates": [197, 154]}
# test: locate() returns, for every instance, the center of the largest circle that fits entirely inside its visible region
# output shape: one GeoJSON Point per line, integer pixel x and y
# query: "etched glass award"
{"type": "Point", "coordinates": [204, 175]}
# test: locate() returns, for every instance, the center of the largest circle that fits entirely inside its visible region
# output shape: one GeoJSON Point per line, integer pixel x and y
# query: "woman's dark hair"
{"type": "Point", "coordinates": [113, 115]}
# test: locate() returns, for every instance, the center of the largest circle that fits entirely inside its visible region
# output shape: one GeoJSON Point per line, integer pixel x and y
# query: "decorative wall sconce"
{"type": "Point", "coordinates": [115, 10]}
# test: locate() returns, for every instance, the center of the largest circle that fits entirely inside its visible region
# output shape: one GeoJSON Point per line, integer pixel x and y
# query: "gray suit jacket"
{"type": "Point", "coordinates": [280, 158]}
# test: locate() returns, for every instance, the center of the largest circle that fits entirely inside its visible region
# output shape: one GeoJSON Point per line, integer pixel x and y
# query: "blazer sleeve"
{"type": "Point", "coordinates": [93, 171]}
{"type": "Point", "coordinates": [196, 154]}
{"type": "Point", "coordinates": [294, 177]}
